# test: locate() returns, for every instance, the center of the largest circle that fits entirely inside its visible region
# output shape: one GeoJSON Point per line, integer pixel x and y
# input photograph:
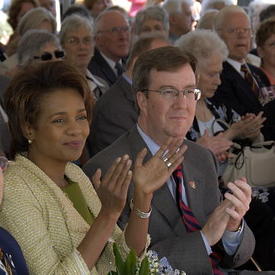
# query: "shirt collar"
{"type": "Point", "coordinates": [237, 65]}
{"type": "Point", "coordinates": [110, 62]}
{"type": "Point", "coordinates": [153, 147]}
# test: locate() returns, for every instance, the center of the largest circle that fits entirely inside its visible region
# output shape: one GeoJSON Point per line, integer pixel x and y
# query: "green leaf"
{"type": "Point", "coordinates": [131, 263]}
{"type": "Point", "coordinates": [119, 261]}
{"type": "Point", "coordinates": [144, 268]}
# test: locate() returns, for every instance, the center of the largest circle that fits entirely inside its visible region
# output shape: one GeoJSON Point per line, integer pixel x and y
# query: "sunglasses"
{"type": "Point", "coordinates": [49, 56]}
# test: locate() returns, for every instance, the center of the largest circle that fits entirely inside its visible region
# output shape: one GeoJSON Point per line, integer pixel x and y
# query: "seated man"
{"type": "Point", "coordinates": [240, 82]}
{"type": "Point", "coordinates": [112, 37]}
{"type": "Point", "coordinates": [115, 112]}
{"type": "Point", "coordinates": [189, 223]}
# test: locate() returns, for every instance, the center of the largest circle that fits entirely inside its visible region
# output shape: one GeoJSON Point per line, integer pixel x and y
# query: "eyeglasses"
{"type": "Point", "coordinates": [117, 30]}
{"type": "Point", "coordinates": [76, 41]}
{"type": "Point", "coordinates": [234, 31]}
{"type": "Point", "coordinates": [49, 56]}
{"type": "Point", "coordinates": [173, 93]}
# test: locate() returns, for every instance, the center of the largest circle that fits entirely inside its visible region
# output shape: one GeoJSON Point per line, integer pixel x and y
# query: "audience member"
{"type": "Point", "coordinates": [151, 19]}
{"type": "Point", "coordinates": [38, 45]}
{"type": "Point", "coordinates": [11, 258]}
{"type": "Point", "coordinates": [71, 230]}
{"type": "Point", "coordinates": [266, 13]}
{"type": "Point", "coordinates": [207, 21]}
{"type": "Point", "coordinates": [77, 9]}
{"type": "Point", "coordinates": [18, 8]}
{"type": "Point", "coordinates": [49, 5]}
{"type": "Point", "coordinates": [77, 39]}
{"type": "Point", "coordinates": [37, 18]}
{"type": "Point", "coordinates": [164, 85]}
{"type": "Point", "coordinates": [97, 6]}
{"type": "Point", "coordinates": [180, 17]}
{"type": "Point", "coordinates": [240, 81]}
{"type": "Point", "coordinates": [215, 4]}
{"type": "Point", "coordinates": [209, 130]}
{"type": "Point", "coordinates": [116, 112]}
{"type": "Point", "coordinates": [265, 40]}
{"type": "Point", "coordinates": [112, 36]}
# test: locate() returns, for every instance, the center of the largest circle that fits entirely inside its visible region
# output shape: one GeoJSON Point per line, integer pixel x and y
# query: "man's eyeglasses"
{"type": "Point", "coordinates": [49, 56]}
{"type": "Point", "coordinates": [234, 31]}
{"type": "Point", "coordinates": [173, 93]}
{"type": "Point", "coordinates": [117, 30]}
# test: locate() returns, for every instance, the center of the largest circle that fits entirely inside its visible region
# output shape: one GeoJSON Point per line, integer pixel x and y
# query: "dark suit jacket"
{"type": "Point", "coordinates": [185, 251]}
{"type": "Point", "coordinates": [236, 92]}
{"type": "Point", "coordinates": [114, 114]}
{"type": "Point", "coordinates": [99, 67]}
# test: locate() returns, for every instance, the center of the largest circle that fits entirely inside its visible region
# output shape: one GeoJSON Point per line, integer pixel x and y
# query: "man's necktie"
{"type": "Point", "coordinates": [119, 69]}
{"type": "Point", "coordinates": [250, 79]}
{"type": "Point", "coordinates": [189, 220]}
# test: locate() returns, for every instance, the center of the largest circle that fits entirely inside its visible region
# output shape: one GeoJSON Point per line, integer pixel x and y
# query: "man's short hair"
{"type": "Point", "coordinates": [175, 6]}
{"type": "Point", "coordinates": [168, 59]}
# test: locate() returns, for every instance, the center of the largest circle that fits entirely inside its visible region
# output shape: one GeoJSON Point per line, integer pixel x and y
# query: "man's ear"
{"type": "Point", "coordinates": [142, 101]}
{"type": "Point", "coordinates": [173, 19]}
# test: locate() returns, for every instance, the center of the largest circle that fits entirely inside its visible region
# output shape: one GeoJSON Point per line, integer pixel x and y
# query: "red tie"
{"type": "Point", "coordinates": [189, 220]}
{"type": "Point", "coordinates": [250, 79]}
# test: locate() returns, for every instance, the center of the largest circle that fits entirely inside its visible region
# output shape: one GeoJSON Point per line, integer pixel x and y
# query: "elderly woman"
{"type": "Point", "coordinates": [11, 258]}
{"type": "Point", "coordinates": [210, 52]}
{"type": "Point", "coordinates": [37, 18]}
{"type": "Point", "coordinates": [49, 198]}
{"type": "Point", "coordinates": [151, 19]}
{"type": "Point", "coordinates": [265, 40]}
{"type": "Point", "coordinates": [77, 40]}
{"type": "Point", "coordinates": [39, 45]}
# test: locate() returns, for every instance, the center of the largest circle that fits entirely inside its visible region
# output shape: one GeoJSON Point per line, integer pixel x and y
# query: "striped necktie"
{"type": "Point", "coordinates": [250, 79]}
{"type": "Point", "coordinates": [119, 69]}
{"type": "Point", "coordinates": [189, 220]}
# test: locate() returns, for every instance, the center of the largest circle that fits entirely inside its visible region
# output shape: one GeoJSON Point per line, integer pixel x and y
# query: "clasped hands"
{"type": "Point", "coordinates": [230, 212]}
{"type": "Point", "coordinates": [148, 176]}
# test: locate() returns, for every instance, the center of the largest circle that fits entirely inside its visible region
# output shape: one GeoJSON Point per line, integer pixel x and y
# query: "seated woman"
{"type": "Point", "coordinates": [210, 51]}
{"type": "Point", "coordinates": [77, 39]}
{"type": "Point", "coordinates": [265, 40]}
{"type": "Point", "coordinates": [50, 206]}
{"type": "Point", "coordinates": [12, 261]}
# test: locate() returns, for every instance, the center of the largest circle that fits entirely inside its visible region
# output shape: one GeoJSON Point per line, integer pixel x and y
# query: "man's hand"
{"type": "Point", "coordinates": [240, 198]}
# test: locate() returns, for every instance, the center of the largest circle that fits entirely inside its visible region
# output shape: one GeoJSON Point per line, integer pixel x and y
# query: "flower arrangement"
{"type": "Point", "coordinates": [150, 265]}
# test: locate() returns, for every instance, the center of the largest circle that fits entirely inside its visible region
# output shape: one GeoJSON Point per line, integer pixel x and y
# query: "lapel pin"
{"type": "Point", "coordinates": [192, 184]}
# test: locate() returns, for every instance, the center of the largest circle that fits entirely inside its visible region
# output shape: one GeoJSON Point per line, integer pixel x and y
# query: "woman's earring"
{"type": "Point", "coordinates": [29, 141]}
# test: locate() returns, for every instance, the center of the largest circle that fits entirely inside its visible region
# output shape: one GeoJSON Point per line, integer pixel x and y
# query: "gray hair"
{"type": "Point", "coordinates": [32, 42]}
{"type": "Point", "coordinates": [207, 21]}
{"type": "Point", "coordinates": [33, 19]}
{"type": "Point", "coordinates": [210, 4]}
{"type": "Point", "coordinates": [175, 6]}
{"type": "Point", "coordinates": [151, 13]}
{"type": "Point", "coordinates": [74, 22]}
{"type": "Point", "coordinates": [223, 13]}
{"type": "Point", "coordinates": [202, 45]}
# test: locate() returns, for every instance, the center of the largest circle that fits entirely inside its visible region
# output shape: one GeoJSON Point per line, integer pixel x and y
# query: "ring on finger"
{"type": "Point", "coordinates": [168, 164]}
{"type": "Point", "coordinates": [164, 159]}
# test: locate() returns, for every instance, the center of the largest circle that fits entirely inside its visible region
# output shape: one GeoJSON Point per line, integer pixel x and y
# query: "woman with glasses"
{"type": "Point", "coordinates": [39, 46]}
{"type": "Point", "coordinates": [77, 40]}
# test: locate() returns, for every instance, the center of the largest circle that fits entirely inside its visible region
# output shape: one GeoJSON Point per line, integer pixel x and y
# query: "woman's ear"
{"type": "Point", "coordinates": [260, 52]}
{"type": "Point", "coordinates": [28, 132]}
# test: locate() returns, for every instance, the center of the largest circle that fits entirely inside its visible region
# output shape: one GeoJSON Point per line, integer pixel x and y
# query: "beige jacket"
{"type": "Point", "coordinates": [46, 225]}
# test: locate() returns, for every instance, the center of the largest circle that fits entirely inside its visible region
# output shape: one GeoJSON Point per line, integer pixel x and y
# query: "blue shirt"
{"type": "Point", "coordinates": [231, 240]}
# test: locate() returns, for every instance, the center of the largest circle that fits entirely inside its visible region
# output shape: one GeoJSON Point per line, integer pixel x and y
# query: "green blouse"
{"type": "Point", "coordinates": [75, 195]}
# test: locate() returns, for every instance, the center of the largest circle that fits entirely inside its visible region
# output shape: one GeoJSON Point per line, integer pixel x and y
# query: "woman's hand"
{"type": "Point", "coordinates": [112, 189]}
{"type": "Point", "coordinates": [248, 127]}
{"type": "Point", "coordinates": [151, 175]}
{"type": "Point", "coordinates": [217, 144]}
